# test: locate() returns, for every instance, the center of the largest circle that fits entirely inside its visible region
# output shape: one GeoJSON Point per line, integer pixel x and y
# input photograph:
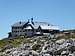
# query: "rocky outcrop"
{"type": "Point", "coordinates": [41, 47]}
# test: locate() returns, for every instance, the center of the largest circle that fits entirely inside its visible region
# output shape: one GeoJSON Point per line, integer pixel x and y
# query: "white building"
{"type": "Point", "coordinates": [32, 28]}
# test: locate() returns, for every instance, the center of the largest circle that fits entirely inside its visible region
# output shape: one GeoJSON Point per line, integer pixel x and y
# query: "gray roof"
{"type": "Point", "coordinates": [18, 24]}
{"type": "Point", "coordinates": [35, 24]}
{"type": "Point", "coordinates": [43, 25]}
{"type": "Point", "coordinates": [40, 23]}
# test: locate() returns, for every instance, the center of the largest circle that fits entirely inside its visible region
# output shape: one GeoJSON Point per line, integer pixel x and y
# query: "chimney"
{"type": "Point", "coordinates": [28, 20]}
{"type": "Point", "coordinates": [20, 22]}
{"type": "Point", "coordinates": [32, 21]}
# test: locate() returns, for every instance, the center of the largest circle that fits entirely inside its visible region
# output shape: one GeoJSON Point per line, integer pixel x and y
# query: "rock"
{"type": "Point", "coordinates": [47, 48]}
{"type": "Point", "coordinates": [8, 47]}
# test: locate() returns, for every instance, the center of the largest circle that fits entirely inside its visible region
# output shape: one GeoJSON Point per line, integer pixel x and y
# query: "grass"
{"type": "Point", "coordinates": [66, 37]}
{"type": "Point", "coordinates": [36, 47]}
{"type": "Point", "coordinates": [14, 42]}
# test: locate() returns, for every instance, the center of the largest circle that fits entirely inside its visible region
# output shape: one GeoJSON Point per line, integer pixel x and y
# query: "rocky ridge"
{"type": "Point", "coordinates": [41, 46]}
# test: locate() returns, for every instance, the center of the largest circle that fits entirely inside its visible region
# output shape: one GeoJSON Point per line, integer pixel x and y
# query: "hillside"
{"type": "Point", "coordinates": [37, 46]}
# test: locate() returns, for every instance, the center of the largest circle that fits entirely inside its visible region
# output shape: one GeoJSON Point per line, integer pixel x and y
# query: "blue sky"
{"type": "Point", "coordinates": [57, 12]}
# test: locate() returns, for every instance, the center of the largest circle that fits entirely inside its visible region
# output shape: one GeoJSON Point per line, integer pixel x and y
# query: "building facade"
{"type": "Point", "coordinates": [31, 28]}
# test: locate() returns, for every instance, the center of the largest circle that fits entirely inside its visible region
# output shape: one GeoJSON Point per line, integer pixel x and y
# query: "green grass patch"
{"type": "Point", "coordinates": [14, 42]}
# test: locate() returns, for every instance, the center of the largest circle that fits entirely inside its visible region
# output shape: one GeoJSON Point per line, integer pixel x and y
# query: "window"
{"type": "Point", "coordinates": [25, 30]}
{"type": "Point", "coordinates": [28, 29]}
